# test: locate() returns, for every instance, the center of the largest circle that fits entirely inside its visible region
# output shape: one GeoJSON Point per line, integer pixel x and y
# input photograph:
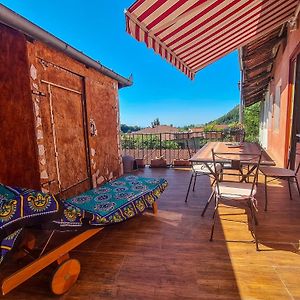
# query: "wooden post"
{"type": "Point", "coordinates": [155, 208]}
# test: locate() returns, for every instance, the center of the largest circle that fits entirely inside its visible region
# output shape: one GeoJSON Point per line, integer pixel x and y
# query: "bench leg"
{"type": "Point", "coordinates": [155, 208]}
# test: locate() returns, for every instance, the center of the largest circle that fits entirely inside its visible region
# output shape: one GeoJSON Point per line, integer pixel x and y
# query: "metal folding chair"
{"type": "Point", "coordinates": [232, 191]}
{"type": "Point", "coordinates": [280, 173]}
{"type": "Point", "coordinates": [200, 169]}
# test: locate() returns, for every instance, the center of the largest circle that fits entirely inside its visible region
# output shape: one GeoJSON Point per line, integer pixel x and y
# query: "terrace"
{"type": "Point", "coordinates": [169, 256]}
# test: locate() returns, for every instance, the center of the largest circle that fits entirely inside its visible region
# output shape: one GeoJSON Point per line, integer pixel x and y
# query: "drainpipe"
{"type": "Point", "coordinates": [241, 105]}
{"type": "Point", "coordinates": [12, 19]}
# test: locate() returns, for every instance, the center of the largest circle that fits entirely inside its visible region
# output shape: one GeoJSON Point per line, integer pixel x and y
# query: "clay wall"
{"type": "Point", "coordinates": [18, 163]}
{"type": "Point", "coordinates": [100, 94]}
{"type": "Point", "coordinates": [27, 155]}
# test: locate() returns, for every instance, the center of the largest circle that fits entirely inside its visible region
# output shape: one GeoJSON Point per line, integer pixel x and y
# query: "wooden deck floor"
{"type": "Point", "coordinates": [168, 256]}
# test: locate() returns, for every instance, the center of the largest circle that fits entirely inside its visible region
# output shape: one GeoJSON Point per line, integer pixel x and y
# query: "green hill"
{"type": "Point", "coordinates": [229, 118]}
{"type": "Point", "coordinates": [250, 124]}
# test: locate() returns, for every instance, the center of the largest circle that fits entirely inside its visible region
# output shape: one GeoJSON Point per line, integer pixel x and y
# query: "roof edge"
{"type": "Point", "coordinates": [16, 21]}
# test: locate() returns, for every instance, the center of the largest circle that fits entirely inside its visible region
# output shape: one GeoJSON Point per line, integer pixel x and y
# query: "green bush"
{"type": "Point", "coordinates": [147, 142]}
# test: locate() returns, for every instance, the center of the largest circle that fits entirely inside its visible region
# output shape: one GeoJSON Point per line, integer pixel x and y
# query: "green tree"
{"type": "Point", "coordinates": [147, 142]}
{"type": "Point", "coordinates": [251, 122]}
{"type": "Point", "coordinates": [210, 127]}
{"type": "Point", "coordinates": [156, 122]}
{"type": "Point", "coordinates": [126, 128]}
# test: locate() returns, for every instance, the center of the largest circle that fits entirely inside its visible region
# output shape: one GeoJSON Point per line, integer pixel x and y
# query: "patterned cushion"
{"type": "Point", "coordinates": [22, 207]}
{"type": "Point", "coordinates": [112, 202]}
{"type": "Point", "coordinates": [8, 243]}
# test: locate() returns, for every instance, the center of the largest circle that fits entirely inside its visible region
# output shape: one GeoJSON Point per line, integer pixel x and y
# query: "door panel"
{"type": "Point", "coordinates": [64, 130]}
{"type": "Point", "coordinates": [70, 139]}
{"type": "Point", "coordinates": [48, 141]}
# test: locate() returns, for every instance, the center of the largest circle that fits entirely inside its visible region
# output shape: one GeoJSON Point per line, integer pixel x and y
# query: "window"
{"type": "Point", "coordinates": [270, 116]}
{"type": "Point", "coordinates": [276, 110]}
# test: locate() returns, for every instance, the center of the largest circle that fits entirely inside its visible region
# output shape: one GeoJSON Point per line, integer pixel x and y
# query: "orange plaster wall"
{"type": "Point", "coordinates": [277, 140]}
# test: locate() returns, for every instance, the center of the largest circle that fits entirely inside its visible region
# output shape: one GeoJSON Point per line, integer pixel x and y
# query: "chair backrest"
{"type": "Point", "coordinates": [289, 161]}
{"type": "Point", "coordinates": [298, 167]}
{"type": "Point", "coordinates": [238, 160]}
{"type": "Point", "coordinates": [191, 146]}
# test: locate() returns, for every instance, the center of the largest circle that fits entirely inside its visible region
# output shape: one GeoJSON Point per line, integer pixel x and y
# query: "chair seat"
{"type": "Point", "coordinates": [202, 168]}
{"type": "Point", "coordinates": [235, 190]}
{"type": "Point", "coordinates": [277, 172]}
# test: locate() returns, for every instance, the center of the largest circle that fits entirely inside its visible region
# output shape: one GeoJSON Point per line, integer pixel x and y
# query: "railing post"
{"type": "Point", "coordinates": [160, 150]}
{"type": "Point", "coordinates": [143, 149]}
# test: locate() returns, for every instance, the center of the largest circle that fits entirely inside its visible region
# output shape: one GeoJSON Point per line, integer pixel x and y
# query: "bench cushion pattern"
{"type": "Point", "coordinates": [113, 202]}
{"type": "Point", "coordinates": [110, 203]}
{"type": "Point", "coordinates": [8, 243]}
{"type": "Point", "coordinates": [21, 207]}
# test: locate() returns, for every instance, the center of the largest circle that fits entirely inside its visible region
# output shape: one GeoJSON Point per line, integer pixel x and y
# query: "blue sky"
{"type": "Point", "coordinates": [98, 29]}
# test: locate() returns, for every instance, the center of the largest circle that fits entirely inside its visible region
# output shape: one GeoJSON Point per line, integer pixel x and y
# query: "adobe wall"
{"type": "Point", "coordinates": [18, 163]}
{"type": "Point", "coordinates": [101, 93]}
{"type": "Point", "coordinates": [22, 144]}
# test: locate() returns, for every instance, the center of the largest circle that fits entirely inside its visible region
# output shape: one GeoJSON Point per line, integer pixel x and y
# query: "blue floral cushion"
{"type": "Point", "coordinates": [112, 202]}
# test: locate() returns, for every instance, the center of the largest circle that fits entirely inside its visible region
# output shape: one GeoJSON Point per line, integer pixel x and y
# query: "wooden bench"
{"type": "Point", "coordinates": [79, 215]}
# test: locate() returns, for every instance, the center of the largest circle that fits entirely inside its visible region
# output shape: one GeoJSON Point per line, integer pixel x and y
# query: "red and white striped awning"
{"type": "Point", "coordinates": [192, 34]}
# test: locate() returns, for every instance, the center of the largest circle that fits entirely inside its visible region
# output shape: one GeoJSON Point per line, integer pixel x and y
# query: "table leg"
{"type": "Point", "coordinates": [207, 203]}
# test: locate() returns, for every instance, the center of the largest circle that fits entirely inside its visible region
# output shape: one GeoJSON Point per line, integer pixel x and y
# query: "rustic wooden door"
{"type": "Point", "coordinates": [65, 132]}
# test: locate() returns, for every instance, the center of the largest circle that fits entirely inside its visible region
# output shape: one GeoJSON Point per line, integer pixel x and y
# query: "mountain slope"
{"type": "Point", "coordinates": [229, 118]}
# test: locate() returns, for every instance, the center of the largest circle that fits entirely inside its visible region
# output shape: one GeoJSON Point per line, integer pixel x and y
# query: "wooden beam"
{"type": "Point", "coordinates": [258, 56]}
{"type": "Point", "coordinates": [248, 103]}
{"type": "Point", "coordinates": [254, 80]}
{"type": "Point", "coordinates": [267, 45]}
{"type": "Point", "coordinates": [262, 65]}
{"type": "Point", "coordinates": [256, 84]}
{"type": "Point", "coordinates": [254, 93]}
{"type": "Point", "coordinates": [255, 87]}
{"type": "Point", "coordinates": [258, 95]}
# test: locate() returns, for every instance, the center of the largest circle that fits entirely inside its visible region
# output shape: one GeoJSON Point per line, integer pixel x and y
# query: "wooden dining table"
{"type": "Point", "coordinates": [204, 156]}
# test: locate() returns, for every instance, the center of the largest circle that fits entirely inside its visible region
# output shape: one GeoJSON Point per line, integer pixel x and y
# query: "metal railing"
{"type": "Point", "coordinates": [173, 146]}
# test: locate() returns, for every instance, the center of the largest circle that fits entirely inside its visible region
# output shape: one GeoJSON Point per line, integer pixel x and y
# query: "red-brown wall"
{"type": "Point", "coordinates": [278, 140]}
{"type": "Point", "coordinates": [23, 64]}
{"type": "Point", "coordinates": [101, 95]}
{"type": "Point", "coordinates": [18, 159]}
